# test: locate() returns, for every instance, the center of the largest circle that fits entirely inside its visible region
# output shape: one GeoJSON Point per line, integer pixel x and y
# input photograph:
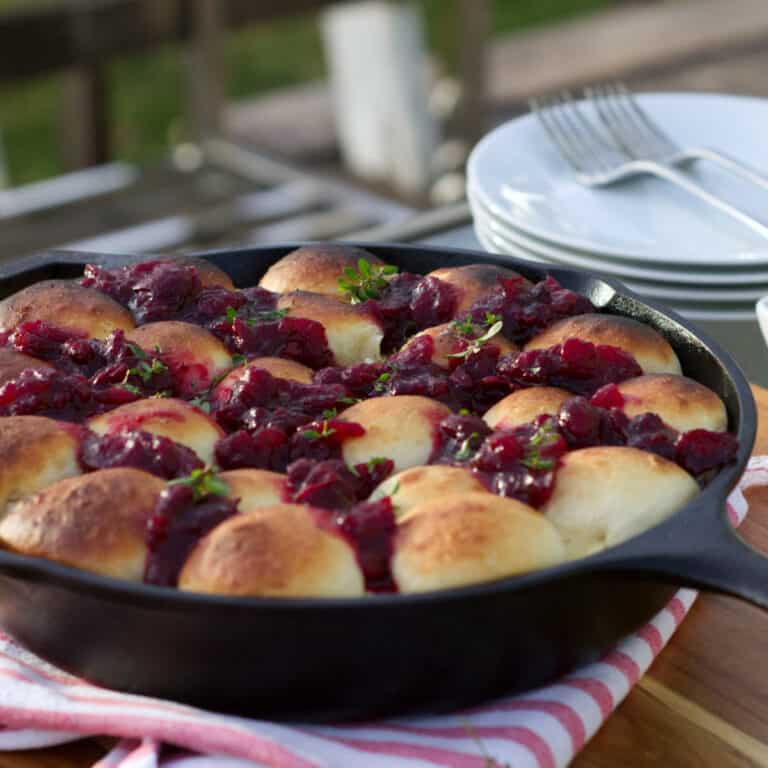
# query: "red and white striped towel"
{"type": "Point", "coordinates": [41, 705]}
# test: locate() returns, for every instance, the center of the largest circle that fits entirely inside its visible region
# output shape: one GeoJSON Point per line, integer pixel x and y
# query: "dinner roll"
{"type": "Point", "coordinates": [402, 428]}
{"type": "Point", "coordinates": [315, 268]}
{"type": "Point", "coordinates": [524, 406]}
{"type": "Point", "coordinates": [168, 417]}
{"type": "Point", "coordinates": [12, 363]}
{"type": "Point", "coordinates": [412, 487]}
{"type": "Point", "coordinates": [353, 334]}
{"type": "Point", "coordinates": [651, 350]}
{"type": "Point", "coordinates": [194, 355]}
{"type": "Point", "coordinates": [275, 551]}
{"type": "Point", "coordinates": [448, 340]}
{"type": "Point", "coordinates": [94, 522]}
{"type": "Point", "coordinates": [254, 487]}
{"type": "Point", "coordinates": [680, 402]}
{"type": "Point", "coordinates": [36, 452]}
{"type": "Point", "coordinates": [467, 538]}
{"type": "Point", "coordinates": [607, 494]}
{"type": "Point", "coordinates": [472, 282]}
{"type": "Point", "coordinates": [66, 305]}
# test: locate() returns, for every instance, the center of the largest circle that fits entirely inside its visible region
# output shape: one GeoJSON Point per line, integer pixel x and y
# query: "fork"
{"type": "Point", "coordinates": [632, 127]}
{"type": "Point", "coordinates": [599, 160]}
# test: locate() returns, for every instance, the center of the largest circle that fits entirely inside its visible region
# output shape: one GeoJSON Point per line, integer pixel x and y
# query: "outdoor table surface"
{"type": "Point", "coordinates": [704, 702]}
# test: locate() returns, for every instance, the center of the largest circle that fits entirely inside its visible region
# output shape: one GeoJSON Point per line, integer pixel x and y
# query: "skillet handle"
{"type": "Point", "coordinates": [718, 561]}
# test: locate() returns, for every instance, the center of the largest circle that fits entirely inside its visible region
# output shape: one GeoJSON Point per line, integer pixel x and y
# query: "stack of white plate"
{"type": "Point", "coordinates": [655, 238]}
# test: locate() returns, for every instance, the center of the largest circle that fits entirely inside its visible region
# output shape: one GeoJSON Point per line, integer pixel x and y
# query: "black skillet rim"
{"type": "Point", "coordinates": [39, 569]}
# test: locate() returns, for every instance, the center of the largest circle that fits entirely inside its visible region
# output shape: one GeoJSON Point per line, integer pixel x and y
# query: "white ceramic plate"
{"type": "Point", "coordinates": [747, 294]}
{"type": "Point", "coordinates": [685, 302]}
{"type": "Point", "coordinates": [519, 175]}
{"type": "Point", "coordinates": [690, 276]}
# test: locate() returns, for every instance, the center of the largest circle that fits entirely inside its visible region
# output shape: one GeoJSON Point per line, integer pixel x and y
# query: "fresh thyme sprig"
{"type": "Point", "coordinates": [544, 437]}
{"type": "Point", "coordinates": [366, 282]}
{"type": "Point", "coordinates": [313, 434]}
{"type": "Point", "coordinates": [476, 344]}
{"type": "Point", "coordinates": [466, 449]}
{"type": "Point", "coordinates": [203, 482]}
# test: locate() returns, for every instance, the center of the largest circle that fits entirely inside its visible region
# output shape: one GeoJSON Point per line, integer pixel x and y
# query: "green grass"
{"type": "Point", "coordinates": [147, 91]}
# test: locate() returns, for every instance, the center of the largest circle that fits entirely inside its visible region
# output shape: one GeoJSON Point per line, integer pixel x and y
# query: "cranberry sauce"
{"type": "Point", "coordinates": [584, 423]}
{"type": "Point", "coordinates": [370, 529]}
{"type": "Point", "coordinates": [528, 308]}
{"type": "Point", "coordinates": [258, 399]}
{"type": "Point", "coordinates": [331, 484]}
{"type": "Point", "coordinates": [181, 517]}
{"type": "Point", "coordinates": [411, 303]}
{"type": "Point", "coordinates": [576, 365]}
{"type": "Point", "coordinates": [458, 439]}
{"type": "Point", "coordinates": [521, 463]}
{"type": "Point", "coordinates": [138, 449]}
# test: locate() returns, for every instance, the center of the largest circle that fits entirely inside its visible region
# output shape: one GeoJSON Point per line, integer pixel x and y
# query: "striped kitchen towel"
{"type": "Point", "coordinates": [41, 705]}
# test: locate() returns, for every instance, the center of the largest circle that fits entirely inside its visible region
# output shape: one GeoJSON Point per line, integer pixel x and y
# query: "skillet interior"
{"type": "Point", "coordinates": [340, 659]}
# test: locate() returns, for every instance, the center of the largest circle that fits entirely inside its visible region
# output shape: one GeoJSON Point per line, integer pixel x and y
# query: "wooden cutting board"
{"type": "Point", "coordinates": [704, 702]}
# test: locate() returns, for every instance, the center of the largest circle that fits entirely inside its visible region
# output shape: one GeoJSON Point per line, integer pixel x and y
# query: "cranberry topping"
{"type": "Point", "coordinates": [152, 290]}
{"type": "Point", "coordinates": [475, 383]}
{"type": "Point", "coordinates": [576, 365]}
{"type": "Point", "coordinates": [649, 433]}
{"type": "Point", "coordinates": [258, 399]}
{"type": "Point", "coordinates": [359, 381]}
{"type": "Point", "coordinates": [528, 308]}
{"type": "Point", "coordinates": [46, 392]}
{"type": "Point", "coordinates": [142, 450]}
{"type": "Point", "coordinates": [608, 396]}
{"type": "Point", "coordinates": [370, 529]}
{"type": "Point", "coordinates": [295, 338]}
{"type": "Point", "coordinates": [699, 450]}
{"type": "Point", "coordinates": [177, 523]}
{"type": "Point", "coordinates": [459, 437]}
{"type": "Point", "coordinates": [266, 448]}
{"type": "Point", "coordinates": [321, 440]}
{"type": "Point", "coordinates": [521, 463]}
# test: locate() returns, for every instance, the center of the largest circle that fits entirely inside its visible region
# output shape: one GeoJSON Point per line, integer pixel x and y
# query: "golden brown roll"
{"type": "Point", "coordinates": [448, 340]}
{"type": "Point", "coordinates": [353, 334]}
{"type": "Point", "coordinates": [651, 350]}
{"type": "Point", "coordinates": [472, 282]}
{"type": "Point", "coordinates": [94, 522]}
{"type": "Point", "coordinates": [525, 405]}
{"type": "Point", "coordinates": [468, 538]}
{"type": "Point", "coordinates": [168, 417]}
{"type": "Point", "coordinates": [275, 551]}
{"type": "Point", "coordinates": [195, 356]}
{"type": "Point", "coordinates": [417, 485]}
{"type": "Point", "coordinates": [315, 268]}
{"type": "Point", "coordinates": [607, 494]}
{"type": "Point", "coordinates": [679, 401]}
{"type": "Point", "coordinates": [254, 487]}
{"type": "Point", "coordinates": [35, 452]}
{"type": "Point", "coordinates": [66, 305]}
{"type": "Point", "coordinates": [402, 428]}
{"type": "Point", "coordinates": [12, 363]}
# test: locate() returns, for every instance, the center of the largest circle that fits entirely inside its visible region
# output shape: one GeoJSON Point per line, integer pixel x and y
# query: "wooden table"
{"type": "Point", "coordinates": [704, 702]}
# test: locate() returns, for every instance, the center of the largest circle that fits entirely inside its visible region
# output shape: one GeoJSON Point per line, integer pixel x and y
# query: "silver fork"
{"type": "Point", "coordinates": [600, 161]}
{"type": "Point", "coordinates": [635, 130]}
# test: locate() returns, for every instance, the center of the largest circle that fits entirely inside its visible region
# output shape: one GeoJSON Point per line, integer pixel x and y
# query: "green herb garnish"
{"type": "Point", "coordinates": [201, 402]}
{"type": "Point", "coordinates": [238, 359]}
{"type": "Point", "coordinates": [329, 413]}
{"type": "Point", "coordinates": [231, 314]}
{"type": "Point", "coordinates": [137, 351]}
{"type": "Point", "coordinates": [466, 449]}
{"type": "Point", "coordinates": [313, 434]}
{"type": "Point", "coordinates": [544, 437]}
{"type": "Point", "coordinates": [132, 388]}
{"type": "Point", "coordinates": [476, 344]}
{"type": "Point", "coordinates": [203, 482]}
{"type": "Point", "coordinates": [465, 327]}
{"type": "Point", "coordinates": [381, 383]}
{"type": "Point", "coordinates": [367, 282]}
{"type": "Point", "coordinates": [348, 400]}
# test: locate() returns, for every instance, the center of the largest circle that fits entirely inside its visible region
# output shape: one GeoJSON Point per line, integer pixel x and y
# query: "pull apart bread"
{"type": "Point", "coordinates": [342, 428]}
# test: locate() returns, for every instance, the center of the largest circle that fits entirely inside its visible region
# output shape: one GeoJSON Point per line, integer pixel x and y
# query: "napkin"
{"type": "Point", "coordinates": [41, 705]}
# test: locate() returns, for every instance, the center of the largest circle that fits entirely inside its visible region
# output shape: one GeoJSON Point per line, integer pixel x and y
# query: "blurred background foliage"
{"type": "Point", "coordinates": [147, 91]}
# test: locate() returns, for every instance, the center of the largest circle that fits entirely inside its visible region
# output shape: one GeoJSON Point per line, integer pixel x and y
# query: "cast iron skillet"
{"type": "Point", "coordinates": [336, 659]}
